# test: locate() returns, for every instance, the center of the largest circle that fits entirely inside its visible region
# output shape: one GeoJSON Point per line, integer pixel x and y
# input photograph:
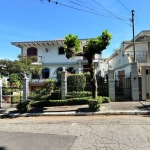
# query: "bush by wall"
{"type": "Point", "coordinates": [72, 101]}
{"type": "Point", "coordinates": [24, 107]}
{"type": "Point", "coordinates": [94, 105]}
{"type": "Point", "coordinates": [16, 99]}
{"type": "Point", "coordinates": [80, 93]}
{"type": "Point", "coordinates": [76, 82]}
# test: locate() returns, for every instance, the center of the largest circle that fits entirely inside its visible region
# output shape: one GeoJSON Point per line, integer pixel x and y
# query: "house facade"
{"type": "Point", "coordinates": [122, 60]}
{"type": "Point", "coordinates": [51, 56]}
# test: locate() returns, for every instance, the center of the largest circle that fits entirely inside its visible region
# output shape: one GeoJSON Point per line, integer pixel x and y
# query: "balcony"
{"type": "Point", "coordinates": [141, 56]}
{"type": "Point", "coordinates": [38, 60]}
{"type": "Point", "coordinates": [35, 59]}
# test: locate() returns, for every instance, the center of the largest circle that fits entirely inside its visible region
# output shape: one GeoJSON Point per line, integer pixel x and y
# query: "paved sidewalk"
{"type": "Point", "coordinates": [113, 108]}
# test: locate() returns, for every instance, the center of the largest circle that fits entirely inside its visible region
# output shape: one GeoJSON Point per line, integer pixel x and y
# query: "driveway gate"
{"type": "Point", "coordinates": [123, 86]}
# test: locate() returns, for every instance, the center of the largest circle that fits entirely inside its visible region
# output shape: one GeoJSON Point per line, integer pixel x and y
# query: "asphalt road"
{"type": "Point", "coordinates": [76, 133]}
{"type": "Point", "coordinates": [34, 141]}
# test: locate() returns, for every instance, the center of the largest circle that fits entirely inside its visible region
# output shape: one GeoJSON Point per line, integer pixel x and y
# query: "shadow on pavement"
{"type": "Point", "coordinates": [3, 148]}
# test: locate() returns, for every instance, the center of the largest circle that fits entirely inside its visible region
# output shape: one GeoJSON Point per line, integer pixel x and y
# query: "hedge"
{"type": "Point", "coordinates": [76, 82]}
{"type": "Point", "coordinates": [72, 101]}
{"type": "Point", "coordinates": [80, 93]}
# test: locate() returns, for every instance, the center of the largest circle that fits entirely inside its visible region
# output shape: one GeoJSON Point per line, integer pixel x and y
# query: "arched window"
{"type": "Point", "coordinates": [59, 69]}
{"type": "Point", "coordinates": [61, 50]}
{"type": "Point", "coordinates": [71, 70]}
{"type": "Point", "coordinates": [32, 51]}
{"type": "Point", "coordinates": [45, 73]}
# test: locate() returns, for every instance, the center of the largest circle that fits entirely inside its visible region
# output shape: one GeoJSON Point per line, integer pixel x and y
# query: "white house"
{"type": "Point", "coordinates": [121, 61]}
{"type": "Point", "coordinates": [50, 54]}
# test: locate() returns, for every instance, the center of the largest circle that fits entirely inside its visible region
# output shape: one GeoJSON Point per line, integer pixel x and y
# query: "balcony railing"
{"type": "Point", "coordinates": [141, 56]}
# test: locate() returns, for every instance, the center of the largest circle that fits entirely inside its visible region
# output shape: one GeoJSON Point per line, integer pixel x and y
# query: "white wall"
{"type": "Point", "coordinates": [52, 55]}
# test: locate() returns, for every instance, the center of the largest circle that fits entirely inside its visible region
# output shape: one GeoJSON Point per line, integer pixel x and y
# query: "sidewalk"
{"type": "Point", "coordinates": [113, 108]}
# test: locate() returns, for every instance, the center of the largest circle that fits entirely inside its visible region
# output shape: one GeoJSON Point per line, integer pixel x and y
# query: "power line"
{"type": "Point", "coordinates": [123, 5]}
{"type": "Point", "coordinates": [82, 9]}
{"type": "Point", "coordinates": [87, 7]}
{"type": "Point", "coordinates": [106, 9]}
{"type": "Point", "coordinates": [111, 12]}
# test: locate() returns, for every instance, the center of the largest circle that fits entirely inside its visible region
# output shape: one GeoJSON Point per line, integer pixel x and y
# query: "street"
{"type": "Point", "coordinates": [76, 133]}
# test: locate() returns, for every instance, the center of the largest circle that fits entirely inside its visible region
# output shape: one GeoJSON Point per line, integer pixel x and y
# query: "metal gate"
{"type": "Point", "coordinates": [123, 89]}
{"type": "Point", "coordinates": [147, 82]}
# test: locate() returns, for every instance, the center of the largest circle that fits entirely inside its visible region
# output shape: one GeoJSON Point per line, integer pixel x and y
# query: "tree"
{"type": "Point", "coordinates": [20, 67]}
{"type": "Point", "coordinates": [94, 46]}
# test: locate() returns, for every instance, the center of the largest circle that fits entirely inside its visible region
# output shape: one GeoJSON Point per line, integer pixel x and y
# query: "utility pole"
{"type": "Point", "coordinates": [132, 20]}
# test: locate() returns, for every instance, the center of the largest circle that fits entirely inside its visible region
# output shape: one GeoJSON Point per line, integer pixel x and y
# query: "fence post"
{"type": "Point", "coordinates": [111, 85]}
{"type": "Point", "coordinates": [0, 92]}
{"type": "Point", "coordinates": [63, 84]}
{"type": "Point", "coordinates": [134, 81]}
{"type": "Point", "coordinates": [25, 88]}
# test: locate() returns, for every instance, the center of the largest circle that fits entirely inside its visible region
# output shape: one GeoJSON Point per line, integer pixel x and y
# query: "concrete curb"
{"type": "Point", "coordinates": [111, 112]}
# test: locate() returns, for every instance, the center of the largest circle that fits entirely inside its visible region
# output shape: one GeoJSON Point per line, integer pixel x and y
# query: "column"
{"type": "Point", "coordinates": [111, 85]}
{"type": "Point", "coordinates": [63, 84]}
{"type": "Point", "coordinates": [79, 70]}
{"type": "Point", "coordinates": [135, 81]}
{"type": "Point", "coordinates": [25, 88]}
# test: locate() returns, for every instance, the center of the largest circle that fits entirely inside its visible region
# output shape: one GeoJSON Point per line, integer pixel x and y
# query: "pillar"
{"type": "Point", "coordinates": [111, 85]}
{"type": "Point", "coordinates": [79, 70]}
{"type": "Point", "coordinates": [63, 84]}
{"type": "Point", "coordinates": [25, 88]}
{"type": "Point", "coordinates": [135, 81]}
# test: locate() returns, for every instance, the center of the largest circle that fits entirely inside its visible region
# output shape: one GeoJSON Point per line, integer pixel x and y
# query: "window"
{"type": "Point", "coordinates": [32, 51]}
{"type": "Point", "coordinates": [45, 73]}
{"type": "Point", "coordinates": [35, 76]}
{"type": "Point", "coordinates": [71, 70]}
{"type": "Point", "coordinates": [61, 50]}
{"type": "Point", "coordinates": [60, 69]}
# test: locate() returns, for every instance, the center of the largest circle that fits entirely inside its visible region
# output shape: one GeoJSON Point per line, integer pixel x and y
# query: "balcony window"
{"type": "Point", "coordinates": [45, 73]}
{"type": "Point", "coordinates": [32, 51]}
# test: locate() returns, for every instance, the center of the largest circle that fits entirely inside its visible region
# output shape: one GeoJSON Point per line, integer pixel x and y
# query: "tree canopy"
{"type": "Point", "coordinates": [20, 67]}
{"type": "Point", "coordinates": [94, 46]}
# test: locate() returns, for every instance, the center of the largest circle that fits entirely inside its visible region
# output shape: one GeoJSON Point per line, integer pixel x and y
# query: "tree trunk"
{"type": "Point", "coordinates": [93, 78]}
{"type": "Point", "coordinates": [92, 72]}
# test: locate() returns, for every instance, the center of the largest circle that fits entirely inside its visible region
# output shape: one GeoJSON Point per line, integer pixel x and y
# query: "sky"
{"type": "Point", "coordinates": [33, 20]}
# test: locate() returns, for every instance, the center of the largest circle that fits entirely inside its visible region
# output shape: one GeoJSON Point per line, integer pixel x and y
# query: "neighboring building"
{"type": "Point", "coordinates": [50, 54]}
{"type": "Point", "coordinates": [123, 58]}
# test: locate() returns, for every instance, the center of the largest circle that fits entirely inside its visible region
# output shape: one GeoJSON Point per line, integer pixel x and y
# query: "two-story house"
{"type": "Point", "coordinates": [50, 54]}
{"type": "Point", "coordinates": [123, 58]}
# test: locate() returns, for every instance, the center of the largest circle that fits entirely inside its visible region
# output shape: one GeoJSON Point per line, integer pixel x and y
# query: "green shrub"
{"type": "Point", "coordinates": [100, 99]}
{"type": "Point", "coordinates": [24, 107]}
{"type": "Point", "coordinates": [80, 93]}
{"type": "Point", "coordinates": [106, 99]}
{"type": "Point", "coordinates": [32, 96]}
{"type": "Point", "coordinates": [94, 105]}
{"type": "Point", "coordinates": [6, 90]}
{"type": "Point", "coordinates": [72, 101]}
{"type": "Point", "coordinates": [16, 99]}
{"type": "Point", "coordinates": [49, 84]}
{"type": "Point", "coordinates": [76, 82]}
{"type": "Point", "coordinates": [45, 97]}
